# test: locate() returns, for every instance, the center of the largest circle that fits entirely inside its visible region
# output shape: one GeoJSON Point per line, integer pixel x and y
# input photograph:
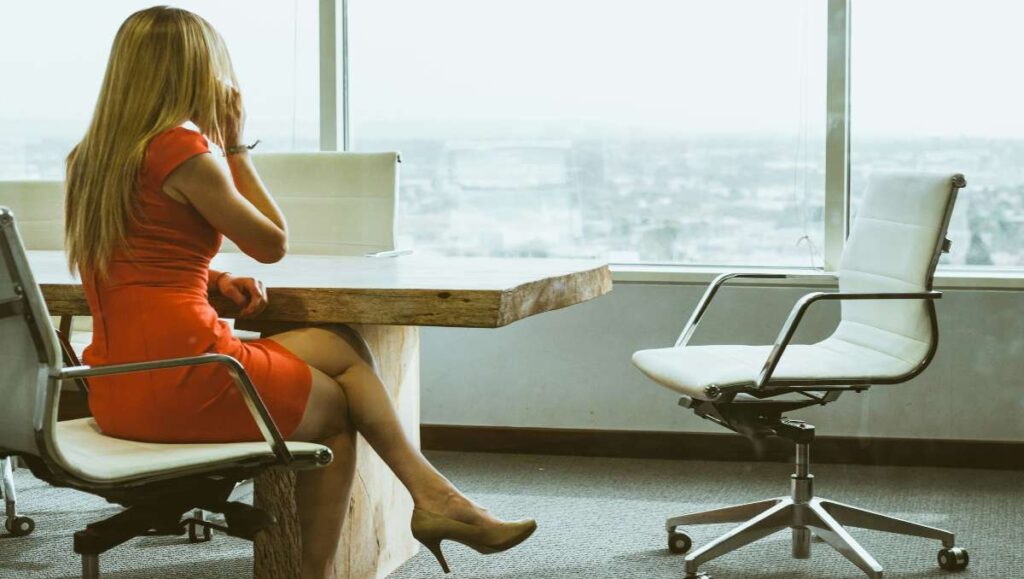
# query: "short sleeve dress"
{"type": "Point", "coordinates": [153, 304]}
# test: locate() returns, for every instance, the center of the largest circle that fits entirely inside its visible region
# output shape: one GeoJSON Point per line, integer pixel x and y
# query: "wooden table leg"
{"type": "Point", "coordinates": [375, 539]}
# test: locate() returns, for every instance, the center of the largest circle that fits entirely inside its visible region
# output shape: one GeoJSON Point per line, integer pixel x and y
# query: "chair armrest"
{"type": "Point", "coordinates": [709, 294]}
{"type": "Point", "coordinates": [255, 404]}
{"type": "Point", "coordinates": [797, 314]}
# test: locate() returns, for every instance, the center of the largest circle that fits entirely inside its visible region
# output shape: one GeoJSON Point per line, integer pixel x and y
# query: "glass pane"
{"type": "Point", "coordinates": [936, 87]}
{"type": "Point", "coordinates": [52, 69]}
{"type": "Point", "coordinates": [652, 131]}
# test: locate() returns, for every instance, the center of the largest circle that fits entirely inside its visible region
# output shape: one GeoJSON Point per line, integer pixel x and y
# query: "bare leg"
{"type": "Point", "coordinates": [322, 495]}
{"type": "Point", "coordinates": [373, 415]}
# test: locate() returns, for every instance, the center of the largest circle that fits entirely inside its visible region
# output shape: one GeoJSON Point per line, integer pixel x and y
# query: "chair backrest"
{"type": "Point", "coordinates": [335, 203]}
{"type": "Point", "coordinates": [30, 352]}
{"type": "Point", "coordinates": [39, 206]}
{"type": "Point", "coordinates": [895, 242]}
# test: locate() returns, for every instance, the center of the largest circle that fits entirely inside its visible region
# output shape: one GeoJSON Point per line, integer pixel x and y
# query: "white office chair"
{"type": "Point", "coordinates": [335, 203]}
{"type": "Point", "coordinates": [39, 205]}
{"type": "Point", "coordinates": [888, 334]}
{"type": "Point", "coordinates": [158, 483]}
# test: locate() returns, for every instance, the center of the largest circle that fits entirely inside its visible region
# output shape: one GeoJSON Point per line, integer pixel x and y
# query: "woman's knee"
{"type": "Point", "coordinates": [355, 341]}
{"type": "Point", "coordinates": [329, 348]}
{"type": "Point", "coordinates": [327, 412]}
{"type": "Point", "coordinates": [358, 372]}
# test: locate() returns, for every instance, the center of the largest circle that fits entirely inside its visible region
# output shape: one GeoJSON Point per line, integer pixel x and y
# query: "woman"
{"type": "Point", "coordinates": [146, 209]}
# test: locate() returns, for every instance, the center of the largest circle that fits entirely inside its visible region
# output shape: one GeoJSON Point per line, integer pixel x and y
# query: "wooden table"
{"type": "Point", "coordinates": [384, 300]}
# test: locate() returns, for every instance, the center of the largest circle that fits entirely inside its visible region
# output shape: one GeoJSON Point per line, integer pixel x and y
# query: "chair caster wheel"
{"type": "Point", "coordinates": [953, 559]}
{"type": "Point", "coordinates": [679, 543]}
{"type": "Point", "coordinates": [193, 528]}
{"type": "Point", "coordinates": [20, 526]}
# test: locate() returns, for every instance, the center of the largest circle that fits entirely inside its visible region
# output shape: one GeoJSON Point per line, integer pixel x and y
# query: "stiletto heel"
{"type": "Point", "coordinates": [430, 529]}
{"type": "Point", "coordinates": [435, 548]}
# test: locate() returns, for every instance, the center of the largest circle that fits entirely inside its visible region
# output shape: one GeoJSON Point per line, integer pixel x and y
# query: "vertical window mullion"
{"type": "Point", "coordinates": [837, 132]}
{"type": "Point", "coordinates": [346, 130]}
{"type": "Point", "coordinates": [328, 79]}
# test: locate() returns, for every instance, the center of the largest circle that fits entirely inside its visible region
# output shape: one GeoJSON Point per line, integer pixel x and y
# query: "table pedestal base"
{"type": "Point", "coordinates": [375, 539]}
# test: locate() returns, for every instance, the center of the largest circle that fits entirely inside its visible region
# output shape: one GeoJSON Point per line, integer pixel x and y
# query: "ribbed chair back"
{"type": "Point", "coordinates": [335, 203]}
{"type": "Point", "coordinates": [894, 245]}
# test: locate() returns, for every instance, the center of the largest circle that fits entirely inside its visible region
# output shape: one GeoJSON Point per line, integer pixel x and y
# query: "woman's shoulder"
{"type": "Point", "coordinates": [169, 149]}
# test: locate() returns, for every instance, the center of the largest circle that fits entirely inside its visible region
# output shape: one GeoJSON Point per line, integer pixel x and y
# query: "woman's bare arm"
{"type": "Point", "coordinates": [241, 208]}
{"type": "Point", "coordinates": [249, 184]}
{"type": "Point", "coordinates": [245, 213]}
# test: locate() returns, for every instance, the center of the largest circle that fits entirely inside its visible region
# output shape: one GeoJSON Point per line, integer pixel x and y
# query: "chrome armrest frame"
{"type": "Point", "coordinates": [255, 404]}
{"type": "Point", "coordinates": [797, 314]}
{"type": "Point", "coordinates": [718, 282]}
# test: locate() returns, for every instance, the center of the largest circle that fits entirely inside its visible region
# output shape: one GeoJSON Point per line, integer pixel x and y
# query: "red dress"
{"type": "Point", "coordinates": [153, 304]}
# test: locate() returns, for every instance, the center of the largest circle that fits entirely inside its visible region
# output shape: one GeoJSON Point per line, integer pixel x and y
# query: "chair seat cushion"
{"type": "Point", "coordinates": [96, 457]}
{"type": "Point", "coordinates": [690, 370]}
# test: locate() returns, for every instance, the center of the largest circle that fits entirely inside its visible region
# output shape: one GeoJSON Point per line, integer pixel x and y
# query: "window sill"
{"type": "Point", "coordinates": [945, 279]}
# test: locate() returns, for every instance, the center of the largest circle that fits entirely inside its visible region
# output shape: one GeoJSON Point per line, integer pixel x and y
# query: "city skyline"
{"type": "Point", "coordinates": [750, 200]}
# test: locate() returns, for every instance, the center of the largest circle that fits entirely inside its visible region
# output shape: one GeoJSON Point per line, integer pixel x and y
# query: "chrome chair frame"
{"type": "Point", "coordinates": [747, 408]}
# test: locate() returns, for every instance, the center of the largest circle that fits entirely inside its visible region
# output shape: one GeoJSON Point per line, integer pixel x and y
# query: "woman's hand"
{"type": "Point", "coordinates": [247, 292]}
{"type": "Point", "coordinates": [233, 123]}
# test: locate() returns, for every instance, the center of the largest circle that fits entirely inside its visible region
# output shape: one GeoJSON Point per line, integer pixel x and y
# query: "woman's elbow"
{"type": "Point", "coordinates": [274, 255]}
{"type": "Point", "coordinates": [273, 252]}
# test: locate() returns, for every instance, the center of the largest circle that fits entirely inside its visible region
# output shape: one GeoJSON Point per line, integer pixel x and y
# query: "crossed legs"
{"type": "Point", "coordinates": [348, 397]}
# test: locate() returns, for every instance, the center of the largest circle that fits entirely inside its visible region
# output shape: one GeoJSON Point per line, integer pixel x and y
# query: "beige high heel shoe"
{"type": "Point", "coordinates": [430, 529]}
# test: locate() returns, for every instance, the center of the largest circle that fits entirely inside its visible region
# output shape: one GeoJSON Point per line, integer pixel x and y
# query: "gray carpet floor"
{"type": "Point", "coordinates": [603, 519]}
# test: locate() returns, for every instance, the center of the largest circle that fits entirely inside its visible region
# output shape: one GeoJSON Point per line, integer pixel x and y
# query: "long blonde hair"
{"type": "Point", "coordinates": [167, 66]}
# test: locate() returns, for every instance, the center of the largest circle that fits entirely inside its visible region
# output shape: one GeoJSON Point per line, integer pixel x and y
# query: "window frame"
{"type": "Point", "coordinates": [335, 122]}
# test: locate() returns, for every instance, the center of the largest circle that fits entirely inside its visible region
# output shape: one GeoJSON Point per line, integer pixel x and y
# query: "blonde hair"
{"type": "Point", "coordinates": [167, 66]}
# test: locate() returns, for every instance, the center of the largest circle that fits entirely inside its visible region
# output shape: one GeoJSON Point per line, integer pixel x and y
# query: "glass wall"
{"type": "Point", "coordinates": [52, 73]}
{"type": "Point", "coordinates": [652, 131]}
{"type": "Point", "coordinates": [936, 86]}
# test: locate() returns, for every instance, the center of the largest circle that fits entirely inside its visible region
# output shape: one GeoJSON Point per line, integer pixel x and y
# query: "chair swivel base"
{"type": "Point", "coordinates": [804, 514]}
{"type": "Point", "coordinates": [161, 511]}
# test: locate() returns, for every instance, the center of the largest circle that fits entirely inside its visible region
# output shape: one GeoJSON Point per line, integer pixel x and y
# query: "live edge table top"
{"type": "Point", "coordinates": [407, 290]}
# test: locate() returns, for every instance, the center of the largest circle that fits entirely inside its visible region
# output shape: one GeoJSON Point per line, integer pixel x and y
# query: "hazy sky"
{"type": "Point", "coordinates": [920, 67]}
{"type": "Point", "coordinates": [53, 54]}
{"type": "Point", "coordinates": [656, 64]}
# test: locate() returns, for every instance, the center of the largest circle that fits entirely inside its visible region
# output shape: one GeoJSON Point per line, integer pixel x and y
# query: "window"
{"type": "Point", "coordinates": [935, 86]}
{"type": "Point", "coordinates": [668, 132]}
{"type": "Point", "coordinates": [50, 87]}
{"type": "Point", "coordinates": [685, 132]}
